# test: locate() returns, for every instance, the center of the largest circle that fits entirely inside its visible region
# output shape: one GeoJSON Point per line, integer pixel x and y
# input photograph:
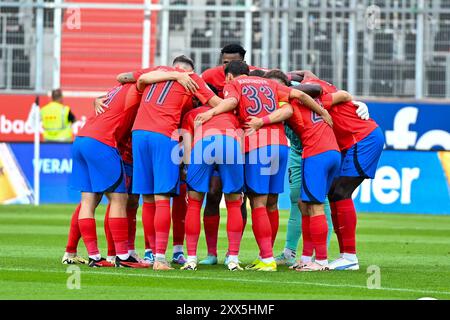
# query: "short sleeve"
{"type": "Point", "coordinates": [137, 74]}
{"type": "Point", "coordinates": [230, 91]}
{"type": "Point", "coordinates": [204, 93]}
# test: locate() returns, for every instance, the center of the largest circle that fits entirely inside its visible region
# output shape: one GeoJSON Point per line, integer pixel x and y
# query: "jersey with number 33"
{"type": "Point", "coordinates": [259, 97]}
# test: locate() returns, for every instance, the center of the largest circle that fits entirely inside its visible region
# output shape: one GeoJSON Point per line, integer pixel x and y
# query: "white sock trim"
{"type": "Point", "coordinates": [268, 260]}
{"type": "Point", "coordinates": [123, 256]}
{"type": "Point", "coordinates": [160, 257]}
{"type": "Point", "coordinates": [192, 259]}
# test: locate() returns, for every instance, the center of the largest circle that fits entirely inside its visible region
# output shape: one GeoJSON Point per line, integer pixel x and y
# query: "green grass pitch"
{"type": "Point", "coordinates": [412, 252]}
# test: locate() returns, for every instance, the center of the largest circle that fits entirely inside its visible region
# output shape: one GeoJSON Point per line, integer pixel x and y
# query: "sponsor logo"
{"type": "Point", "coordinates": [401, 138]}
{"type": "Point", "coordinates": [389, 186]}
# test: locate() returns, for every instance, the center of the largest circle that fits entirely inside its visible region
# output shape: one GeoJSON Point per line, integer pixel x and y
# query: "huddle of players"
{"type": "Point", "coordinates": [154, 104]}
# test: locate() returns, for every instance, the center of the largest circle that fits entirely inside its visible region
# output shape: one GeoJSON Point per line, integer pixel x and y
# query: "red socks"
{"type": "Point", "coordinates": [334, 217]}
{"type": "Point", "coordinates": [234, 226]}
{"type": "Point", "coordinates": [274, 217]}
{"type": "Point", "coordinates": [148, 220]}
{"type": "Point", "coordinates": [308, 246]}
{"type": "Point", "coordinates": [193, 225]}
{"type": "Point", "coordinates": [109, 237]}
{"type": "Point", "coordinates": [178, 216]}
{"type": "Point", "coordinates": [211, 226]}
{"type": "Point", "coordinates": [162, 225]}
{"type": "Point", "coordinates": [131, 215]}
{"type": "Point", "coordinates": [347, 220]}
{"type": "Point", "coordinates": [74, 232]}
{"type": "Point", "coordinates": [89, 233]}
{"type": "Point", "coordinates": [119, 232]}
{"type": "Point", "coordinates": [318, 228]}
{"type": "Point", "coordinates": [262, 231]}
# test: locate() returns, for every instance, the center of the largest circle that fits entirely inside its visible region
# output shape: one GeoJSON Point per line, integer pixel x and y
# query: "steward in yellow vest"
{"type": "Point", "coordinates": [57, 119]}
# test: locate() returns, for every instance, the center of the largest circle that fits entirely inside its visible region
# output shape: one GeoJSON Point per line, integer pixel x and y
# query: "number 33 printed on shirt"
{"type": "Point", "coordinates": [254, 95]}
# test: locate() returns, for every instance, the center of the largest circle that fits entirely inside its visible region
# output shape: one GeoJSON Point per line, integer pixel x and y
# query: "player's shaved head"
{"type": "Point", "coordinates": [278, 75]}
{"type": "Point", "coordinates": [237, 68]}
{"type": "Point", "coordinates": [184, 62]}
{"type": "Point", "coordinates": [232, 52]}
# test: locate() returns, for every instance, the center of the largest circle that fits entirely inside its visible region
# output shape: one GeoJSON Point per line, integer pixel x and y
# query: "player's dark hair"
{"type": "Point", "coordinates": [257, 73]}
{"type": "Point", "coordinates": [279, 75]}
{"type": "Point", "coordinates": [57, 95]}
{"type": "Point", "coordinates": [213, 89]}
{"type": "Point", "coordinates": [184, 59]}
{"type": "Point", "coordinates": [237, 68]}
{"type": "Point", "coordinates": [234, 48]}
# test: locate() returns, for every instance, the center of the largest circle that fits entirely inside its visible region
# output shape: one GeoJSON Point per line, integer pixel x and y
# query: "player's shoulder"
{"type": "Point", "coordinates": [211, 72]}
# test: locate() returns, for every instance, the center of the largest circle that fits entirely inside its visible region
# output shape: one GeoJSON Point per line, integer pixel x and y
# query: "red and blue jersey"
{"type": "Point", "coordinates": [348, 128]}
{"type": "Point", "coordinates": [317, 137]}
{"type": "Point", "coordinates": [163, 103]}
{"type": "Point", "coordinates": [259, 97]}
{"type": "Point", "coordinates": [113, 127]}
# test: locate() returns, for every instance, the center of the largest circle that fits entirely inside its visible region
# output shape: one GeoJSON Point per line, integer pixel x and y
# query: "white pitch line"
{"type": "Point", "coordinates": [232, 280]}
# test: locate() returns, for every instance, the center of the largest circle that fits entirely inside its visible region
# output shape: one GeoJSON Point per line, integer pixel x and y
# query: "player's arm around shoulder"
{"type": "Point", "coordinates": [309, 102]}
{"type": "Point", "coordinates": [283, 113]}
{"type": "Point", "coordinates": [223, 106]}
{"type": "Point", "coordinates": [340, 97]}
{"type": "Point", "coordinates": [157, 76]}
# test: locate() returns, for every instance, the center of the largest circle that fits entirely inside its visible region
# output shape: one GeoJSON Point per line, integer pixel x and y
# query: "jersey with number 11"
{"type": "Point", "coordinates": [259, 97]}
{"type": "Point", "coordinates": [162, 104]}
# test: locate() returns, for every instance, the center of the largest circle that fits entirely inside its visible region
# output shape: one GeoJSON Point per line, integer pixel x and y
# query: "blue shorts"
{"type": "Point", "coordinates": [265, 169]}
{"type": "Point", "coordinates": [128, 177]}
{"type": "Point", "coordinates": [156, 164]}
{"type": "Point", "coordinates": [318, 173]}
{"type": "Point", "coordinates": [361, 160]}
{"type": "Point", "coordinates": [216, 153]}
{"type": "Point", "coordinates": [97, 167]}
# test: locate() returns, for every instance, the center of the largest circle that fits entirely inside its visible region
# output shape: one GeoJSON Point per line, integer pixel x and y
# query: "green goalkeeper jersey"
{"type": "Point", "coordinates": [296, 144]}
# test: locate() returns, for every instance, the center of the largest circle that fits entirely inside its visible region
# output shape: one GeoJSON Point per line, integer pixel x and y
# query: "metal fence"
{"type": "Point", "coordinates": [391, 48]}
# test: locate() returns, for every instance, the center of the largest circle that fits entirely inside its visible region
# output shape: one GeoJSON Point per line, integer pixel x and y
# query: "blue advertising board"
{"type": "Point", "coordinates": [413, 126]}
{"type": "Point", "coordinates": [405, 182]}
{"type": "Point", "coordinates": [55, 168]}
